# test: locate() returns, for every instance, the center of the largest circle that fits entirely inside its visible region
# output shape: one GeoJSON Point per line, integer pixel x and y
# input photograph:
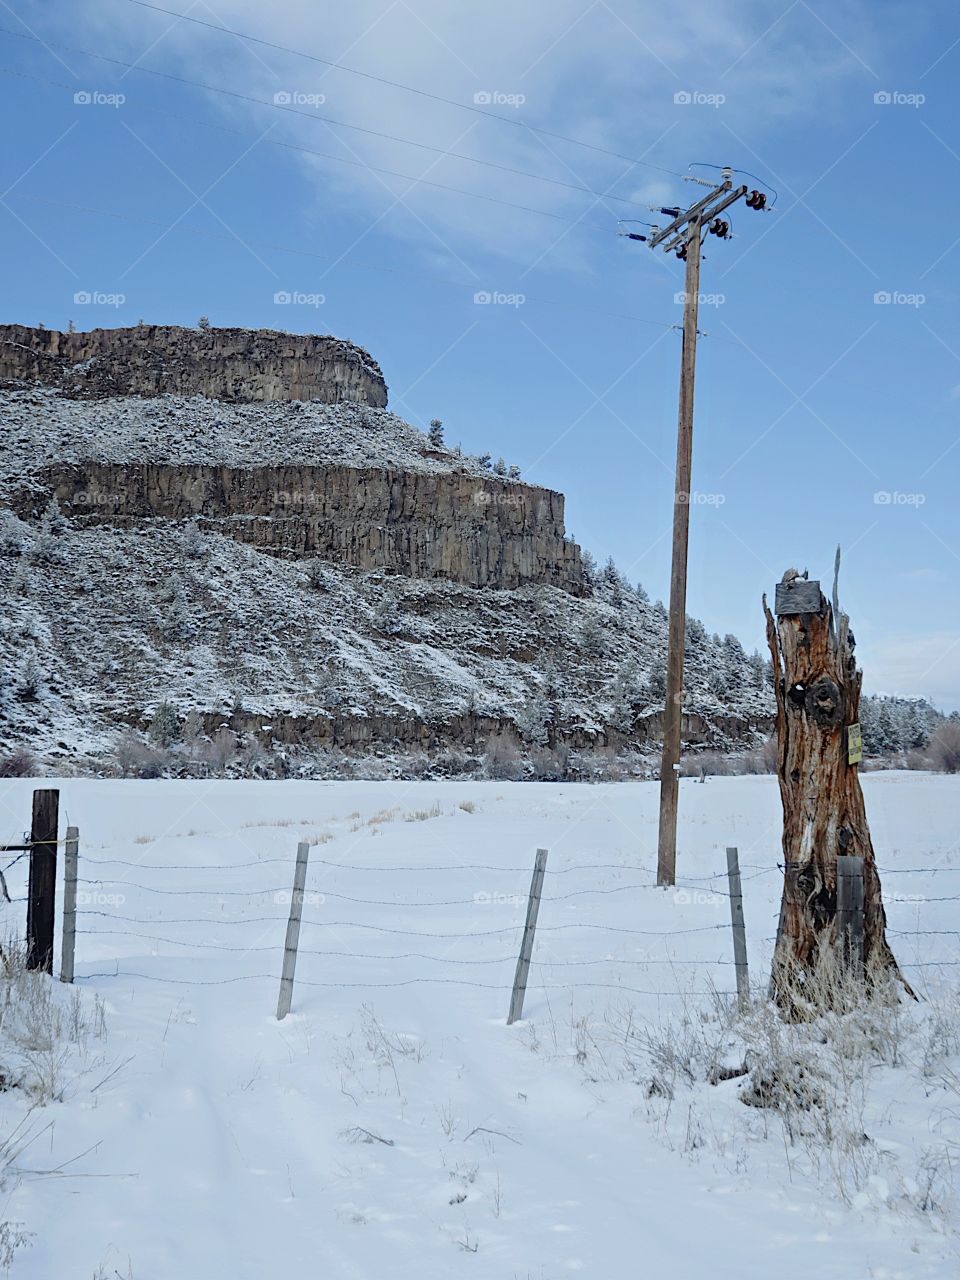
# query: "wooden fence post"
{"type": "Point", "coordinates": [69, 941]}
{"type": "Point", "coordinates": [42, 885]}
{"type": "Point", "coordinates": [526, 946]}
{"type": "Point", "coordinates": [850, 899]}
{"type": "Point", "coordinates": [739, 929]}
{"type": "Point", "coordinates": [293, 932]}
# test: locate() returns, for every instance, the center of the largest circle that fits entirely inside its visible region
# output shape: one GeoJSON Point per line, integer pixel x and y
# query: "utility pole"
{"type": "Point", "coordinates": [684, 235]}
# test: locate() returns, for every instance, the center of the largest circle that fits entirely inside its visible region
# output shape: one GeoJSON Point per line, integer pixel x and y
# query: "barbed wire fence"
{"type": "Point", "coordinates": [188, 921]}
{"type": "Point", "coordinates": [191, 923]}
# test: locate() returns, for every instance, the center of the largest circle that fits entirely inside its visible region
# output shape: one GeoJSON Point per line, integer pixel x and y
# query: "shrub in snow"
{"type": "Point", "coordinates": [164, 729]}
{"type": "Point", "coordinates": [657, 684]}
{"type": "Point", "coordinates": [484, 460]}
{"type": "Point", "coordinates": [945, 747]}
{"type": "Point", "coordinates": [221, 749]}
{"type": "Point", "coordinates": [19, 763]}
{"type": "Point", "coordinates": [14, 534]}
{"type": "Point", "coordinates": [30, 677]}
{"type": "Point", "coordinates": [194, 544]}
{"type": "Point", "coordinates": [176, 622]}
{"type": "Point", "coordinates": [204, 323]}
{"type": "Point", "coordinates": [317, 575]}
{"type": "Point", "coordinates": [435, 433]}
{"type": "Point", "coordinates": [138, 759]}
{"type": "Point", "coordinates": [550, 764]}
{"type": "Point", "coordinates": [387, 618]}
{"type": "Point", "coordinates": [532, 720]}
{"type": "Point", "coordinates": [625, 698]}
{"type": "Point", "coordinates": [513, 472]}
{"type": "Point", "coordinates": [592, 638]}
{"type": "Point", "coordinates": [53, 518]}
{"type": "Point", "coordinates": [719, 684]}
{"type": "Point", "coordinates": [501, 759]}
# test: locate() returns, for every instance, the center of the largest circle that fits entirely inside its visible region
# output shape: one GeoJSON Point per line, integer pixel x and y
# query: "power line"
{"type": "Point", "coordinates": [473, 108]}
{"type": "Point", "coordinates": [325, 155]}
{"type": "Point", "coordinates": [227, 238]}
{"type": "Point", "coordinates": [328, 120]}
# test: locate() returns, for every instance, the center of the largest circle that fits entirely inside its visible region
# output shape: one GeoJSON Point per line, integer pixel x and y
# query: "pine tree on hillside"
{"type": "Point", "coordinates": [435, 433]}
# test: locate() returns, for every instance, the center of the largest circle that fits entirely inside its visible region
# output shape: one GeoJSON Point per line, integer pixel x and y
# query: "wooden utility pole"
{"type": "Point", "coordinates": [825, 829]}
{"type": "Point", "coordinates": [683, 235]}
{"type": "Point", "coordinates": [673, 707]}
{"type": "Point", "coordinates": [42, 883]}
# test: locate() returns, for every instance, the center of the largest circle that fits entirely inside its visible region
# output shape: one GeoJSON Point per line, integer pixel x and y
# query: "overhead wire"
{"type": "Point", "coordinates": [321, 119]}
{"type": "Point", "coordinates": [473, 108]}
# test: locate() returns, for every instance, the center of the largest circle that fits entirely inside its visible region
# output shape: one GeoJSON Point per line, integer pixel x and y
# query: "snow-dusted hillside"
{"type": "Point", "coordinates": [41, 427]}
{"type": "Point", "coordinates": [102, 625]}
{"type": "Point", "coordinates": [276, 665]}
{"type": "Point", "coordinates": [393, 1125]}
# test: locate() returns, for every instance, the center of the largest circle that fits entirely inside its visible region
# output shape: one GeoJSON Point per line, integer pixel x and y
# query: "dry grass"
{"type": "Point", "coordinates": [422, 815]}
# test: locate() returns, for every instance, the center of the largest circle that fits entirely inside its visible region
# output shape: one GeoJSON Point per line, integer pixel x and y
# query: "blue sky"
{"type": "Point", "coordinates": [814, 401]}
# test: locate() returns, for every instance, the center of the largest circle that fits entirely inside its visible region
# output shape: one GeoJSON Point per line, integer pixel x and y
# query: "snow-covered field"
{"type": "Point", "coordinates": [199, 1137]}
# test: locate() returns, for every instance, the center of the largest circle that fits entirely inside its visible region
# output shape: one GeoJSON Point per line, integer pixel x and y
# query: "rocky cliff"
{"type": "Point", "coordinates": [480, 531]}
{"type": "Point", "coordinates": [297, 583]}
{"type": "Point", "coordinates": [237, 365]}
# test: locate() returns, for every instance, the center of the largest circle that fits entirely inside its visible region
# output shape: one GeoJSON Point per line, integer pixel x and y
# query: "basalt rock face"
{"type": "Point", "coordinates": [482, 532]}
{"type": "Point", "coordinates": [233, 365]}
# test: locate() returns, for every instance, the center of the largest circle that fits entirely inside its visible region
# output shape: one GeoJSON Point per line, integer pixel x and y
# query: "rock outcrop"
{"type": "Point", "coordinates": [479, 531]}
{"type": "Point", "coordinates": [235, 365]}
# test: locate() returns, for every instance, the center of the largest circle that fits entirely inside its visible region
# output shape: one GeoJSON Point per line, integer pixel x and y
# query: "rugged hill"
{"type": "Point", "coordinates": [225, 364]}
{"type": "Point", "coordinates": [280, 586]}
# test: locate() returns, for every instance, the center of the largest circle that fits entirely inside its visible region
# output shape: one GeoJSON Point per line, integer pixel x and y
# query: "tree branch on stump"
{"type": "Point", "coordinates": [817, 688]}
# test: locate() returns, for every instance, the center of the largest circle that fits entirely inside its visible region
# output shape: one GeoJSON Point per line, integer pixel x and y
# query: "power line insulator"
{"type": "Point", "coordinates": [757, 200]}
{"type": "Point", "coordinates": [720, 227]}
{"type": "Point", "coordinates": [682, 252]}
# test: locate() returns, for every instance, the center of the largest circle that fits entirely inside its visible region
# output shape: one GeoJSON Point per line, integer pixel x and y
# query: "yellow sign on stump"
{"type": "Point", "coordinates": [854, 744]}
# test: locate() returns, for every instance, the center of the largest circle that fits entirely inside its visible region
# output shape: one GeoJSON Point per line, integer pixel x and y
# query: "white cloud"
{"type": "Point", "coordinates": [605, 72]}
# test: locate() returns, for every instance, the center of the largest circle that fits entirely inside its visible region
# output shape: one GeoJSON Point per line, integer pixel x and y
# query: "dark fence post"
{"type": "Point", "coordinates": [850, 901]}
{"type": "Point", "coordinates": [42, 887]}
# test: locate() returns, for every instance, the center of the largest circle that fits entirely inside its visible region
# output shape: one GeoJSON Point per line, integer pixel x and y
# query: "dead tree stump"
{"type": "Point", "coordinates": [817, 687]}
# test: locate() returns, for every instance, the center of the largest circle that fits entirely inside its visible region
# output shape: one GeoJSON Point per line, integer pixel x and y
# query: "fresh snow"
{"type": "Point", "coordinates": [202, 1138]}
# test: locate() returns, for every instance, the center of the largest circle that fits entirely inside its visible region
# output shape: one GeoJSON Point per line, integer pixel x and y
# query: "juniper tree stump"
{"type": "Point", "coordinates": [817, 687]}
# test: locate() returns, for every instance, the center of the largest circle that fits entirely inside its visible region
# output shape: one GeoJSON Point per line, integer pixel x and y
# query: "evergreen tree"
{"type": "Point", "coordinates": [436, 433]}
